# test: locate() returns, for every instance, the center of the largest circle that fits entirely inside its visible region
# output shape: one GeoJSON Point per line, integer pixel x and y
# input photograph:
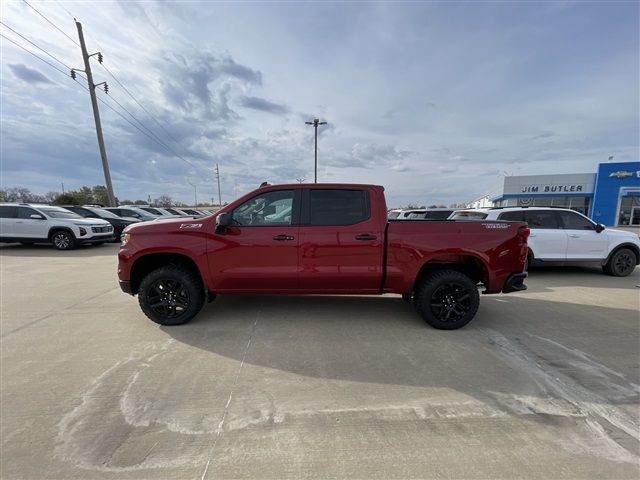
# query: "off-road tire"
{"type": "Point", "coordinates": [171, 295]}
{"type": "Point", "coordinates": [447, 299]}
{"type": "Point", "coordinates": [621, 263]}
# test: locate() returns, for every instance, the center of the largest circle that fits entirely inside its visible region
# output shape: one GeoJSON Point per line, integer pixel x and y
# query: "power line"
{"type": "Point", "coordinates": [150, 135]}
{"type": "Point", "coordinates": [37, 56]}
{"type": "Point", "coordinates": [54, 25]}
{"type": "Point", "coordinates": [38, 47]}
{"type": "Point", "coordinates": [113, 75]}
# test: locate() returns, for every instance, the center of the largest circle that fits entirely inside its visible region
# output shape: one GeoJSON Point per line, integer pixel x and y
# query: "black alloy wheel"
{"type": "Point", "coordinates": [63, 240]}
{"type": "Point", "coordinates": [621, 263]}
{"type": "Point", "coordinates": [171, 295]}
{"type": "Point", "coordinates": [447, 299]}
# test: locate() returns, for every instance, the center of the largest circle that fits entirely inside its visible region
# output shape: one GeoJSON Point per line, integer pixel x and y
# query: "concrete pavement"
{"type": "Point", "coordinates": [542, 384]}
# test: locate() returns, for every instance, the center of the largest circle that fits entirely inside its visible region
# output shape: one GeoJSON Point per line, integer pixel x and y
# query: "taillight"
{"type": "Point", "coordinates": [524, 232]}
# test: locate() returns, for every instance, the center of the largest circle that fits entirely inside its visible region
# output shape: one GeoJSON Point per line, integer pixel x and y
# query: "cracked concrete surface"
{"type": "Point", "coordinates": [542, 384]}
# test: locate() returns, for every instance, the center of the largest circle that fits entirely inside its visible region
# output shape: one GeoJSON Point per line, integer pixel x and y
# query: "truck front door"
{"type": "Point", "coordinates": [259, 251]}
{"type": "Point", "coordinates": [341, 245]}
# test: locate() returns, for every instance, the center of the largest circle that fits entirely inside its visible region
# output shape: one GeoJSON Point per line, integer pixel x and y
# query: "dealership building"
{"type": "Point", "coordinates": [610, 196]}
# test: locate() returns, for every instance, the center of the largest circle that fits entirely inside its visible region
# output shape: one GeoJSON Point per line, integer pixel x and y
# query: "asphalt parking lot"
{"type": "Point", "coordinates": [542, 384]}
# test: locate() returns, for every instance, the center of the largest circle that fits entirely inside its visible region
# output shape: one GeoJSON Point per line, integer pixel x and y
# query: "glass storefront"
{"type": "Point", "coordinates": [577, 203]}
{"type": "Point", "coordinates": [629, 210]}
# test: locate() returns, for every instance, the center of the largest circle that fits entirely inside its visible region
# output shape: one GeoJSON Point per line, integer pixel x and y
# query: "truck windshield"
{"type": "Point", "coordinates": [58, 213]}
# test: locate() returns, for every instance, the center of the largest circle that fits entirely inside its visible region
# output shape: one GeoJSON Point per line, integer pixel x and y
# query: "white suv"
{"type": "Point", "coordinates": [561, 235]}
{"type": "Point", "coordinates": [30, 224]}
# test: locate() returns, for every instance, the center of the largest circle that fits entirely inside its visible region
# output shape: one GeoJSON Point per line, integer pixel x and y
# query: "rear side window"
{"type": "Point", "coordinates": [573, 221]}
{"type": "Point", "coordinates": [437, 214]}
{"type": "Point", "coordinates": [517, 216]}
{"type": "Point", "coordinates": [338, 207]}
{"type": "Point", "coordinates": [26, 212]}
{"type": "Point", "coordinates": [468, 216]}
{"type": "Point", "coordinates": [7, 211]}
{"type": "Point", "coordinates": [546, 219]}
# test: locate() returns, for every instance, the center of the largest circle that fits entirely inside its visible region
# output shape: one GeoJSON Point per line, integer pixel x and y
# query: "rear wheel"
{"type": "Point", "coordinates": [447, 299]}
{"type": "Point", "coordinates": [171, 295]}
{"type": "Point", "coordinates": [63, 240]}
{"type": "Point", "coordinates": [621, 263]}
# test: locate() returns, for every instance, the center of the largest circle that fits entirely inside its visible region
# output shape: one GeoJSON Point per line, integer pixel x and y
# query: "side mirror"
{"type": "Point", "coordinates": [35, 216]}
{"type": "Point", "coordinates": [599, 227]}
{"type": "Point", "coordinates": [222, 222]}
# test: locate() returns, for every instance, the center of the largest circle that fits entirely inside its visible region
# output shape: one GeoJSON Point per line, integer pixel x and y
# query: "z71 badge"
{"type": "Point", "coordinates": [186, 226]}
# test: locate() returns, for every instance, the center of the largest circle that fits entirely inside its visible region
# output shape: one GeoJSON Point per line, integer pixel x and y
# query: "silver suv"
{"type": "Point", "coordinates": [30, 224]}
{"type": "Point", "coordinates": [561, 235]}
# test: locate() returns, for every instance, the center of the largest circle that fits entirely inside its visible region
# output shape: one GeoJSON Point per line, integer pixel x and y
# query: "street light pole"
{"type": "Point", "coordinates": [315, 124]}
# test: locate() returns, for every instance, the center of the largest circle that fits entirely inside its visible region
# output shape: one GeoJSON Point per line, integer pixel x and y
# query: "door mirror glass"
{"type": "Point", "coordinates": [222, 222]}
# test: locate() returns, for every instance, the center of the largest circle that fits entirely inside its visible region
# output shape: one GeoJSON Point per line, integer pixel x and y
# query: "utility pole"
{"type": "Point", "coordinates": [315, 124]}
{"type": "Point", "coordinates": [96, 112]}
{"type": "Point", "coordinates": [195, 193]}
{"type": "Point", "coordinates": [218, 177]}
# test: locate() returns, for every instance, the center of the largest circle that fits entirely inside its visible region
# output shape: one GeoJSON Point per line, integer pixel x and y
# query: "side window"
{"type": "Point", "coordinates": [26, 212]}
{"type": "Point", "coordinates": [338, 207]}
{"type": "Point", "coordinates": [516, 216]}
{"type": "Point", "coordinates": [541, 219]}
{"type": "Point", "coordinates": [271, 208]}
{"type": "Point", "coordinates": [7, 211]}
{"type": "Point", "coordinates": [573, 221]}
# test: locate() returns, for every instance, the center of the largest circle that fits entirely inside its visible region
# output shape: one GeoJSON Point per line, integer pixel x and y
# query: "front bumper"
{"type": "Point", "coordinates": [125, 286]}
{"type": "Point", "coordinates": [96, 239]}
{"type": "Point", "coordinates": [515, 283]}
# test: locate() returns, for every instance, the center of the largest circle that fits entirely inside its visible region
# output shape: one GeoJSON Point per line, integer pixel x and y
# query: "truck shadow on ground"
{"type": "Point", "coordinates": [46, 250]}
{"type": "Point", "coordinates": [382, 340]}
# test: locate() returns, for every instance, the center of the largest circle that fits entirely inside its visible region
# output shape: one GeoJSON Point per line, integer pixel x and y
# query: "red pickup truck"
{"type": "Point", "coordinates": [319, 239]}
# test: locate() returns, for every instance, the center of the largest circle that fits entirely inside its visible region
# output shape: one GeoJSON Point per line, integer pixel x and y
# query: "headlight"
{"type": "Point", "coordinates": [124, 238]}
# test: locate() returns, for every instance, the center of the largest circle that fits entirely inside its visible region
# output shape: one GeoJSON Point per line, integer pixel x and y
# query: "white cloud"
{"type": "Point", "coordinates": [428, 99]}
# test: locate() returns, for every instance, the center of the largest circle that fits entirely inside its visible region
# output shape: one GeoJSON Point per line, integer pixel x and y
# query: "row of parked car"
{"type": "Point", "coordinates": [67, 226]}
{"type": "Point", "coordinates": [558, 235]}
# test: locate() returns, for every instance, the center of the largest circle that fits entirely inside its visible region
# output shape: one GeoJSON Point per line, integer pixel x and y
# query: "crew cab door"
{"type": "Point", "coordinates": [28, 227]}
{"type": "Point", "coordinates": [583, 241]}
{"type": "Point", "coordinates": [547, 240]}
{"type": "Point", "coordinates": [341, 242]}
{"type": "Point", "coordinates": [259, 250]}
{"type": "Point", "coordinates": [8, 216]}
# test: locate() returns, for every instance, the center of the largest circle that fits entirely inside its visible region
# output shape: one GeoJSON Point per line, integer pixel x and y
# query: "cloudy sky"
{"type": "Point", "coordinates": [436, 101]}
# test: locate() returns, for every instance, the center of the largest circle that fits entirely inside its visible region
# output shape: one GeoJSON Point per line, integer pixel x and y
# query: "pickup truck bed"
{"type": "Point", "coordinates": [320, 239]}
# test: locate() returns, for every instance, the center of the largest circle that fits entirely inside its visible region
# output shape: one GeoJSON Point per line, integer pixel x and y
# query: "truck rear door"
{"type": "Point", "coordinates": [341, 241]}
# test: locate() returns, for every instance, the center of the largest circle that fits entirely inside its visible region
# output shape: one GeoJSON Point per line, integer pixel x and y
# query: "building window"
{"type": "Point", "coordinates": [629, 211]}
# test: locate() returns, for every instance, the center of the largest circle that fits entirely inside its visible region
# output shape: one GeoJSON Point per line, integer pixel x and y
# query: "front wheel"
{"type": "Point", "coordinates": [621, 263]}
{"type": "Point", "coordinates": [447, 299]}
{"type": "Point", "coordinates": [63, 240]}
{"type": "Point", "coordinates": [171, 295]}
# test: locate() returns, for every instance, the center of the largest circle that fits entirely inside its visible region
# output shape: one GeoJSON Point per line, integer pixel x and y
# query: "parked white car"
{"type": "Point", "coordinates": [30, 224]}
{"type": "Point", "coordinates": [561, 235]}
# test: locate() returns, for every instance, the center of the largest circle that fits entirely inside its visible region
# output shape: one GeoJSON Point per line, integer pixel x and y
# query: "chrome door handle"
{"type": "Point", "coordinates": [573, 235]}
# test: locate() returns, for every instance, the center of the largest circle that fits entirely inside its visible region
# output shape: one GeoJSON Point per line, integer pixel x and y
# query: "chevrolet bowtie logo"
{"type": "Point", "coordinates": [621, 174]}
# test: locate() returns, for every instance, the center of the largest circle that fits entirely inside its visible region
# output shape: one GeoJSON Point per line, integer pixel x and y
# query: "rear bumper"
{"type": "Point", "coordinates": [515, 283]}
